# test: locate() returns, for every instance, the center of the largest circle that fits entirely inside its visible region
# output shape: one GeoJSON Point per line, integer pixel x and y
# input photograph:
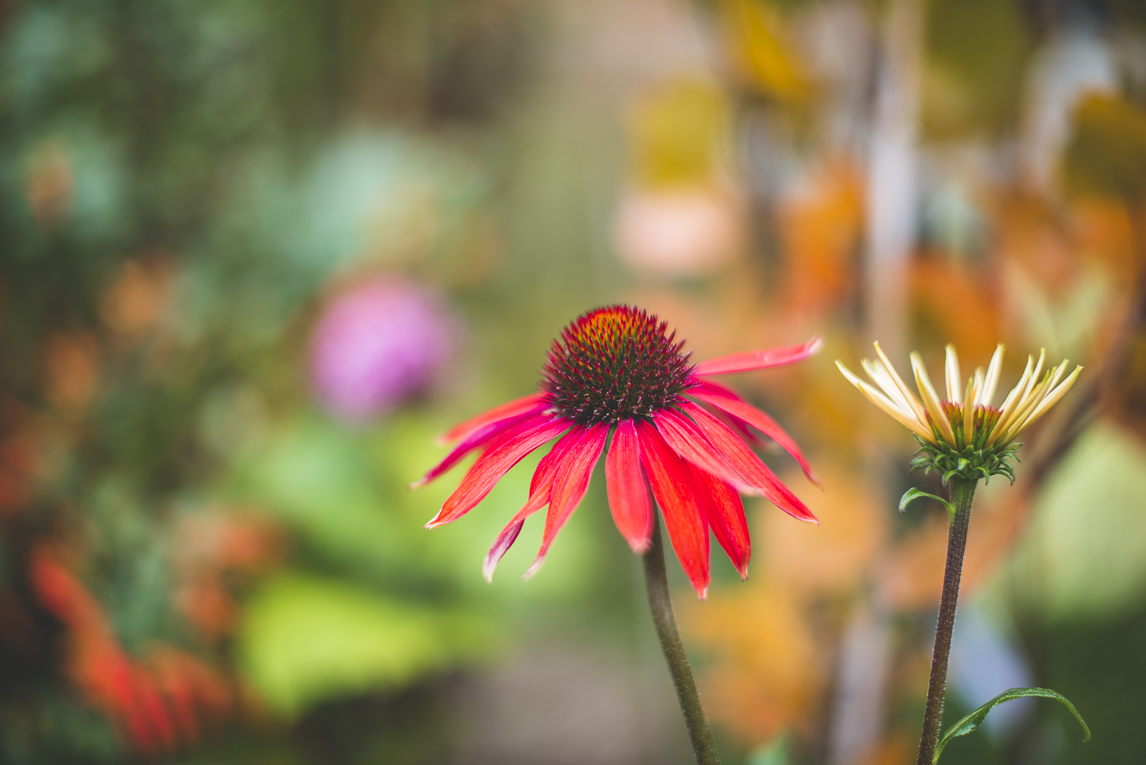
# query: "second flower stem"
{"type": "Point", "coordinates": [962, 492]}
{"type": "Point", "coordinates": [657, 580]}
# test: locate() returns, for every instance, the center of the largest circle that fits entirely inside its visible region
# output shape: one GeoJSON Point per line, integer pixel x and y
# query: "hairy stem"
{"type": "Point", "coordinates": [962, 492]}
{"type": "Point", "coordinates": [661, 606]}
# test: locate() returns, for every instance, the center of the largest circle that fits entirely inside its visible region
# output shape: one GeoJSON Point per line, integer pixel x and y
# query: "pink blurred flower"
{"type": "Point", "coordinates": [378, 343]}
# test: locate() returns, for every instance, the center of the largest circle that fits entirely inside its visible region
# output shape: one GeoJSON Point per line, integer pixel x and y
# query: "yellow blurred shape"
{"type": "Point", "coordinates": [835, 556]}
{"type": "Point", "coordinates": [754, 36]}
{"type": "Point", "coordinates": [72, 370]}
{"type": "Point", "coordinates": [677, 132]}
{"type": "Point", "coordinates": [135, 300]}
{"type": "Point", "coordinates": [1104, 231]}
{"type": "Point", "coordinates": [1106, 154]}
{"type": "Point", "coordinates": [819, 229]}
{"type": "Point", "coordinates": [959, 304]}
{"type": "Point", "coordinates": [766, 672]}
{"type": "Point", "coordinates": [49, 184]}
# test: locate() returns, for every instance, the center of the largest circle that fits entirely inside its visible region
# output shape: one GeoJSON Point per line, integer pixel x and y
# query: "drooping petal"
{"type": "Point", "coordinates": [726, 517]}
{"type": "Point", "coordinates": [501, 546]}
{"type": "Point", "coordinates": [477, 438]}
{"type": "Point", "coordinates": [954, 379]}
{"type": "Point", "coordinates": [772, 357]}
{"type": "Point", "coordinates": [509, 409]}
{"type": "Point", "coordinates": [726, 400]}
{"type": "Point", "coordinates": [747, 465]}
{"type": "Point", "coordinates": [569, 485]}
{"type": "Point", "coordinates": [675, 493]}
{"type": "Point", "coordinates": [540, 489]}
{"type": "Point", "coordinates": [689, 442]}
{"type": "Point", "coordinates": [495, 463]}
{"type": "Point", "coordinates": [628, 495]}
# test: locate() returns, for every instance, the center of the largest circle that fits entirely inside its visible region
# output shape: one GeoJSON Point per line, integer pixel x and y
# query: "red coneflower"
{"type": "Point", "coordinates": [618, 372]}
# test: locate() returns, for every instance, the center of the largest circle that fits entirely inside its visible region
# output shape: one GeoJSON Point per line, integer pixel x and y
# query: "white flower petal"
{"type": "Point", "coordinates": [987, 390]}
{"type": "Point", "coordinates": [931, 399]}
{"type": "Point", "coordinates": [954, 379]}
{"type": "Point", "coordinates": [920, 413]}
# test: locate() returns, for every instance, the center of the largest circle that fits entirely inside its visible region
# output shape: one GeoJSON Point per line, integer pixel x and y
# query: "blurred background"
{"type": "Point", "coordinates": [256, 254]}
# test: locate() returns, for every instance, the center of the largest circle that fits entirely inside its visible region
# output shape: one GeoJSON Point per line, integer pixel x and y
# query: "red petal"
{"type": "Point", "coordinates": [479, 437]}
{"type": "Point", "coordinates": [675, 493]}
{"type": "Point", "coordinates": [725, 517]}
{"type": "Point", "coordinates": [501, 546]}
{"type": "Point", "coordinates": [747, 465]}
{"type": "Point", "coordinates": [726, 400]}
{"type": "Point", "coordinates": [539, 491]}
{"type": "Point", "coordinates": [689, 441]}
{"type": "Point", "coordinates": [628, 495]}
{"type": "Point", "coordinates": [772, 357]}
{"type": "Point", "coordinates": [510, 409]}
{"type": "Point", "coordinates": [569, 485]}
{"type": "Point", "coordinates": [495, 463]}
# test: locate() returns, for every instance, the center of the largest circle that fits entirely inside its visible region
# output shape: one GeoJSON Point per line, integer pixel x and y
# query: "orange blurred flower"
{"type": "Point", "coordinates": [156, 703]}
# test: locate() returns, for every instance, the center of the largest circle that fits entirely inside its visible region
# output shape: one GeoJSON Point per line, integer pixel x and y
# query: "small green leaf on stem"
{"type": "Point", "coordinates": [976, 718]}
{"type": "Point", "coordinates": [913, 494]}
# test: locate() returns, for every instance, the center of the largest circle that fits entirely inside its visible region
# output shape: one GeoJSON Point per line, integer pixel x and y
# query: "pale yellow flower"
{"type": "Point", "coordinates": [965, 426]}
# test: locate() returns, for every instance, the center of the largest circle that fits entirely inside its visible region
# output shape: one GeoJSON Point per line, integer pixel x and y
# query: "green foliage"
{"type": "Point", "coordinates": [970, 463]}
{"type": "Point", "coordinates": [913, 494]}
{"type": "Point", "coordinates": [307, 639]}
{"type": "Point", "coordinates": [973, 720]}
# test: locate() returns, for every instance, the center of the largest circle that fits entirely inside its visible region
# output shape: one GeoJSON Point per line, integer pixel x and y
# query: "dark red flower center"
{"type": "Point", "coordinates": [613, 364]}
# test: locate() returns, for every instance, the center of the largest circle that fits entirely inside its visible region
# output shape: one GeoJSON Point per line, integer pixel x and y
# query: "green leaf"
{"type": "Point", "coordinates": [976, 718]}
{"type": "Point", "coordinates": [913, 494]}
{"type": "Point", "coordinates": [307, 639]}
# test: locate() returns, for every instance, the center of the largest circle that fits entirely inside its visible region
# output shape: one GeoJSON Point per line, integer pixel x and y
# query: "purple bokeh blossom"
{"type": "Point", "coordinates": [377, 344]}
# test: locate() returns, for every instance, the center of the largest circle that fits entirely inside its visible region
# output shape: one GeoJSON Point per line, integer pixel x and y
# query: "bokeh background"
{"type": "Point", "coordinates": [256, 254]}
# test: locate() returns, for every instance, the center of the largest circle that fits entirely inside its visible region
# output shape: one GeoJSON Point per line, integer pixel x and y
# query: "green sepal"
{"type": "Point", "coordinates": [976, 718]}
{"type": "Point", "coordinates": [968, 462]}
{"type": "Point", "coordinates": [913, 494]}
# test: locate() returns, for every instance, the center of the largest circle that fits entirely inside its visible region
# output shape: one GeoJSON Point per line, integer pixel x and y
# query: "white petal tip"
{"type": "Point", "coordinates": [529, 572]}
{"type": "Point", "coordinates": [702, 594]}
{"type": "Point", "coordinates": [815, 345]}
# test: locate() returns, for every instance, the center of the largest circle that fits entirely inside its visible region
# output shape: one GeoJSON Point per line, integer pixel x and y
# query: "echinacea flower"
{"type": "Point", "coordinates": [963, 434]}
{"type": "Point", "coordinates": [616, 377]}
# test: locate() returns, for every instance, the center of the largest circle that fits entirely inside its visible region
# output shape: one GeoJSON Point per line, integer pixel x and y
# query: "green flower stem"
{"type": "Point", "coordinates": [657, 580]}
{"type": "Point", "coordinates": [962, 492]}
